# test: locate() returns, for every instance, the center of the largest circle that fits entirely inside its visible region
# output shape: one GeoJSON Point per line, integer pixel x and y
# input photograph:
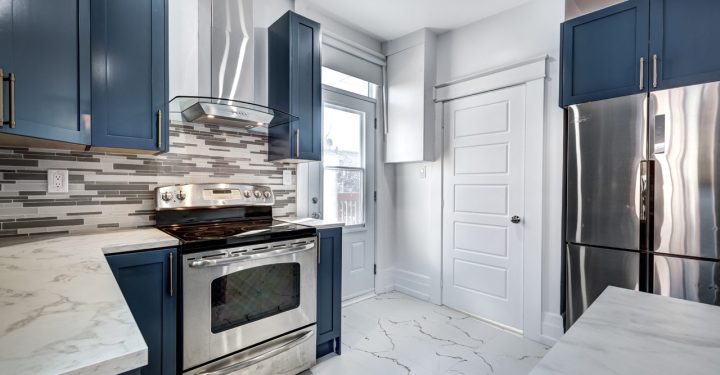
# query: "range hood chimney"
{"type": "Point", "coordinates": [226, 78]}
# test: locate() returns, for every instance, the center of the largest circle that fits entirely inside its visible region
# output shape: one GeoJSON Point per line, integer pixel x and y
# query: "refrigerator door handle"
{"type": "Point", "coordinates": [644, 190]}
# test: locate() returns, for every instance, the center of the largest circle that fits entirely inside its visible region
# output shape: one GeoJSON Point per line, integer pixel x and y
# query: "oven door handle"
{"type": "Point", "coordinates": [268, 253]}
{"type": "Point", "coordinates": [295, 341]}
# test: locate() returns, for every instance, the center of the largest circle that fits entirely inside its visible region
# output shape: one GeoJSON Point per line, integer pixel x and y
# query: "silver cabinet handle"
{"type": "Point", "coordinates": [655, 70]}
{"type": "Point", "coordinates": [172, 261]}
{"type": "Point", "coordinates": [295, 341]}
{"type": "Point", "coordinates": [2, 100]}
{"type": "Point", "coordinates": [11, 77]}
{"type": "Point", "coordinates": [159, 129]}
{"type": "Point", "coordinates": [642, 73]}
{"type": "Point", "coordinates": [265, 253]}
{"type": "Point", "coordinates": [11, 99]}
{"type": "Point", "coordinates": [297, 143]}
{"type": "Point", "coordinates": [318, 247]}
{"type": "Point", "coordinates": [515, 219]}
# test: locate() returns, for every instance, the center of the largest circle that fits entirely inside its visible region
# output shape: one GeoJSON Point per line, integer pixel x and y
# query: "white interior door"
{"type": "Point", "coordinates": [348, 184]}
{"type": "Point", "coordinates": [483, 189]}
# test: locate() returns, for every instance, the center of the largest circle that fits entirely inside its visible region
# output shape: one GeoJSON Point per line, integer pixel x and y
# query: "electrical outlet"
{"type": "Point", "coordinates": [57, 181]}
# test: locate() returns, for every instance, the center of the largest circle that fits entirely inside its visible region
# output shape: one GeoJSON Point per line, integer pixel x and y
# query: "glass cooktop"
{"type": "Point", "coordinates": [197, 237]}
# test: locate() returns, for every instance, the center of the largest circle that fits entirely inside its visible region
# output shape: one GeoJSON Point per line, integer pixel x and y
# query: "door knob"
{"type": "Point", "coordinates": [515, 219]}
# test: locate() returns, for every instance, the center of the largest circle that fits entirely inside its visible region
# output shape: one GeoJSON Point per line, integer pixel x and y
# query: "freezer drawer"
{"type": "Point", "coordinates": [688, 279]}
{"type": "Point", "coordinates": [590, 270]}
{"type": "Point", "coordinates": [604, 150]}
{"type": "Point", "coordinates": [685, 144]}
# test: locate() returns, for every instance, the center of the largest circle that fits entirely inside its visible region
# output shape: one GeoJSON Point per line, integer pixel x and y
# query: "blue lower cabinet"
{"type": "Point", "coordinates": [147, 280]}
{"type": "Point", "coordinates": [328, 291]}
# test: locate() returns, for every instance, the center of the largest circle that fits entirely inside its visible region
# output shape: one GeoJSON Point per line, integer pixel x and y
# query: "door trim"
{"type": "Point", "coordinates": [533, 72]}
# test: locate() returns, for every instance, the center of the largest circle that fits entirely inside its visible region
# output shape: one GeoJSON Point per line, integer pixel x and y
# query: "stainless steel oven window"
{"type": "Point", "coordinates": [252, 294]}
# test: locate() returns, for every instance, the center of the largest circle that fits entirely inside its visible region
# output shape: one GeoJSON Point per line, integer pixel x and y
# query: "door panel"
{"type": "Point", "coordinates": [590, 270]}
{"type": "Point", "coordinates": [605, 147]}
{"type": "Point", "coordinates": [683, 36]}
{"type": "Point", "coordinates": [685, 143]}
{"type": "Point", "coordinates": [46, 45]}
{"type": "Point", "coordinates": [602, 51]}
{"type": "Point", "coordinates": [483, 187]}
{"type": "Point", "coordinates": [688, 279]}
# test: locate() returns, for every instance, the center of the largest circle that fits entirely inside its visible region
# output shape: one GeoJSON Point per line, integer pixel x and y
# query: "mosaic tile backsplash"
{"type": "Point", "coordinates": [110, 190]}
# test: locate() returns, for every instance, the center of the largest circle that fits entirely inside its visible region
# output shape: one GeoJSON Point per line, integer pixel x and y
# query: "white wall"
{"type": "Point", "coordinates": [522, 33]}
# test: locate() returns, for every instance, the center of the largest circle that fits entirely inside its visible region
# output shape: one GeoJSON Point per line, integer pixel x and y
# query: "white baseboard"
{"type": "Point", "coordinates": [552, 328]}
{"type": "Point", "coordinates": [413, 284]}
{"type": "Point", "coordinates": [384, 281]}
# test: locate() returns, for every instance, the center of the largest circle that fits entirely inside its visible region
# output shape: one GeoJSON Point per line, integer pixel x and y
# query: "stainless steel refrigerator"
{"type": "Point", "coordinates": [643, 196]}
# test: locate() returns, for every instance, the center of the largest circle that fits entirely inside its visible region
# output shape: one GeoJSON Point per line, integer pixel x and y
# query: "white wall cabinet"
{"type": "Point", "coordinates": [410, 134]}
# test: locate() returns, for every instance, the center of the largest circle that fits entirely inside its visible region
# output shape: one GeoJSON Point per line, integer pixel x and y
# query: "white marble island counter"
{"type": "Point", "coordinates": [629, 332]}
{"type": "Point", "coordinates": [62, 311]}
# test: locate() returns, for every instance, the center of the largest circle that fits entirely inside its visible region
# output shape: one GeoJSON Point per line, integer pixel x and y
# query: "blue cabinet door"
{"type": "Point", "coordinates": [602, 52]}
{"type": "Point", "coordinates": [294, 86]}
{"type": "Point", "coordinates": [684, 40]}
{"type": "Point", "coordinates": [147, 280]}
{"type": "Point", "coordinates": [328, 290]}
{"type": "Point", "coordinates": [46, 46]}
{"type": "Point", "coordinates": [129, 74]}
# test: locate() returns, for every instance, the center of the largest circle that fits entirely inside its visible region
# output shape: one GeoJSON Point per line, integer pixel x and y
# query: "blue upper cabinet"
{"type": "Point", "coordinates": [605, 53]}
{"type": "Point", "coordinates": [45, 45]}
{"type": "Point", "coordinates": [129, 74]}
{"type": "Point", "coordinates": [147, 280]}
{"type": "Point", "coordinates": [294, 86]}
{"type": "Point", "coordinates": [684, 40]}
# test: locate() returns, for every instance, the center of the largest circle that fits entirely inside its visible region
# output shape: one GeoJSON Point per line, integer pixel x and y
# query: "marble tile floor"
{"type": "Point", "coordinates": [397, 334]}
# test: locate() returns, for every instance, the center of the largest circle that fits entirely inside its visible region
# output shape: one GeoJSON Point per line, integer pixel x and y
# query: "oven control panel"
{"type": "Point", "coordinates": [212, 195]}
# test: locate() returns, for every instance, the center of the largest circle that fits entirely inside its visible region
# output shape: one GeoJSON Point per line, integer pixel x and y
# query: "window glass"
{"type": "Point", "coordinates": [348, 83]}
{"type": "Point", "coordinates": [344, 195]}
{"type": "Point", "coordinates": [342, 137]}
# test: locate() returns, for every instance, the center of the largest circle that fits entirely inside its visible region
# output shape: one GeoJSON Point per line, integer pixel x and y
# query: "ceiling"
{"type": "Point", "coordinates": [390, 19]}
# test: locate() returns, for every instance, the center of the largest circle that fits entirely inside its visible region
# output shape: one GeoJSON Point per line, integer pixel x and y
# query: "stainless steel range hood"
{"type": "Point", "coordinates": [217, 111]}
{"type": "Point", "coordinates": [225, 66]}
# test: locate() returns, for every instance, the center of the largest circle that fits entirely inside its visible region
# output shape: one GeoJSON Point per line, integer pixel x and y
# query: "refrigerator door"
{"type": "Point", "coordinates": [606, 143]}
{"type": "Point", "coordinates": [685, 143]}
{"type": "Point", "coordinates": [689, 279]}
{"type": "Point", "coordinates": [590, 270]}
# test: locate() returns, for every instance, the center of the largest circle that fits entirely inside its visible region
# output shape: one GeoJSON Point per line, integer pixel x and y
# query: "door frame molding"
{"type": "Point", "coordinates": [531, 74]}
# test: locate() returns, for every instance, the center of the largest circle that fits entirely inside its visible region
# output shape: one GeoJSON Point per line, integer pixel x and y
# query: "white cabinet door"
{"type": "Point", "coordinates": [410, 129]}
{"type": "Point", "coordinates": [483, 190]}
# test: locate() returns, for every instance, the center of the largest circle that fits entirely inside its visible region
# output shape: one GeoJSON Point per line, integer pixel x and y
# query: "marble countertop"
{"type": "Point", "coordinates": [316, 223]}
{"type": "Point", "coordinates": [62, 311]}
{"type": "Point", "coordinates": [629, 332]}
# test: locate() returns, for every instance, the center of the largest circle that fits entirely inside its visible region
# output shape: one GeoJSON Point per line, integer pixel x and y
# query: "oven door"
{"type": "Point", "coordinates": [238, 297]}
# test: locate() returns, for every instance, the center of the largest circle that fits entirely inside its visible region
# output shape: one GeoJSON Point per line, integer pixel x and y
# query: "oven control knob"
{"type": "Point", "coordinates": [267, 194]}
{"type": "Point", "coordinates": [246, 193]}
{"type": "Point", "coordinates": [180, 196]}
{"type": "Point", "coordinates": [258, 194]}
{"type": "Point", "coordinates": [167, 196]}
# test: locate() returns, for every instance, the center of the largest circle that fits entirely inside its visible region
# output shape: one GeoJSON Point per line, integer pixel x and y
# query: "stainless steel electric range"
{"type": "Point", "coordinates": [248, 281]}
